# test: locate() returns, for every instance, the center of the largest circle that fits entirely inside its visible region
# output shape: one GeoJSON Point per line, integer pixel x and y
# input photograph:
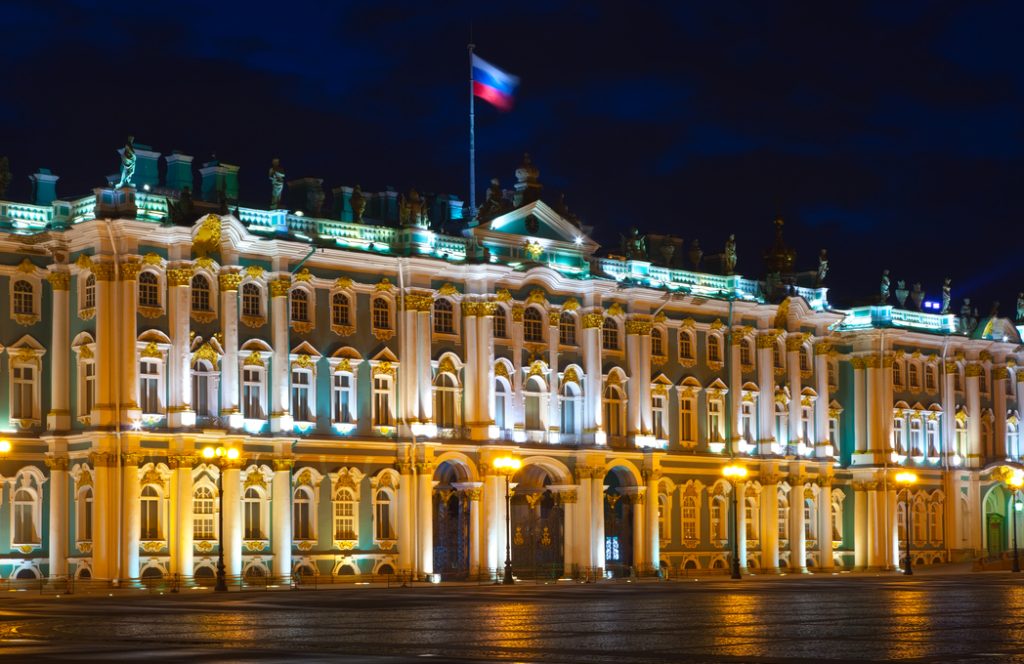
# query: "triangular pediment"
{"type": "Point", "coordinates": [539, 222]}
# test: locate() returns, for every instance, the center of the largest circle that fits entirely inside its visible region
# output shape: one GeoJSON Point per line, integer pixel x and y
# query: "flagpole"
{"type": "Point", "coordinates": [472, 140]}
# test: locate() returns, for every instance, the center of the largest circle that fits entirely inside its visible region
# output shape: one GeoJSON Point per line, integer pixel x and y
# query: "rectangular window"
{"type": "Point", "coordinates": [301, 392]}
{"type": "Point", "coordinates": [252, 394]}
{"type": "Point", "coordinates": [688, 421]}
{"type": "Point", "coordinates": [658, 417]}
{"type": "Point", "coordinates": [149, 387]}
{"type": "Point", "coordinates": [202, 515]}
{"type": "Point", "coordinates": [714, 349]}
{"type": "Point", "coordinates": [382, 402]}
{"type": "Point", "coordinates": [342, 399]}
{"type": "Point", "coordinates": [383, 517]}
{"type": "Point", "coordinates": [344, 519]}
{"type": "Point", "coordinates": [23, 397]}
{"type": "Point", "coordinates": [611, 548]}
{"type": "Point", "coordinates": [90, 387]}
{"type": "Point", "coordinates": [300, 519]}
{"type": "Point", "coordinates": [714, 421]}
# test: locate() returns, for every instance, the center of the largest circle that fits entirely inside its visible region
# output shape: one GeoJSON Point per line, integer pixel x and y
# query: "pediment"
{"type": "Point", "coordinates": [535, 221]}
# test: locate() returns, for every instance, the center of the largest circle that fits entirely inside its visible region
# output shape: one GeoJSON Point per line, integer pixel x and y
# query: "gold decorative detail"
{"type": "Point", "coordinates": [1000, 373]}
{"type": "Point", "coordinates": [533, 250]}
{"type": "Point", "coordinates": [84, 262]}
{"type": "Point", "coordinates": [103, 271]}
{"type": "Point", "coordinates": [717, 324]}
{"type": "Point", "coordinates": [152, 350]}
{"type": "Point", "coordinates": [501, 370]}
{"type": "Point", "coordinates": [26, 266]}
{"type": "Point", "coordinates": [253, 321]}
{"type": "Point", "coordinates": [822, 348]}
{"type": "Point", "coordinates": [447, 290]}
{"type": "Point", "coordinates": [59, 281]}
{"type": "Point", "coordinates": [304, 275]}
{"type": "Point", "coordinates": [570, 376]}
{"type": "Point", "coordinates": [518, 539]}
{"type": "Point", "coordinates": [344, 365]}
{"type": "Point", "coordinates": [503, 295]}
{"type": "Point", "coordinates": [795, 341]}
{"type": "Point", "coordinates": [303, 362]}
{"type": "Point", "coordinates": [470, 309]}
{"type": "Point", "coordinates": [419, 302]}
{"type": "Point", "coordinates": [207, 237]}
{"type": "Point", "coordinates": [487, 308]}
{"type": "Point", "coordinates": [974, 370]}
{"type": "Point", "coordinates": [446, 366]}
{"type": "Point", "coordinates": [254, 271]}
{"type": "Point", "coordinates": [383, 334]}
{"type": "Point", "coordinates": [383, 285]}
{"type": "Point", "coordinates": [203, 316]}
{"type": "Point", "coordinates": [205, 546]}
{"type": "Point", "coordinates": [615, 309]}
{"type": "Point", "coordinates": [639, 325]}
{"type": "Point", "coordinates": [570, 305]}
{"type": "Point", "coordinates": [858, 362]}
{"type": "Point", "coordinates": [254, 360]}
{"type": "Point", "coordinates": [304, 545]}
{"type": "Point", "coordinates": [613, 379]}
{"type": "Point", "coordinates": [553, 318]}
{"type": "Point", "coordinates": [537, 368]}
{"type": "Point", "coordinates": [302, 327]}
{"type": "Point", "coordinates": [384, 368]}
{"type": "Point", "coordinates": [536, 296]}
{"type": "Point", "coordinates": [343, 330]}
{"type": "Point", "coordinates": [342, 283]}
{"type": "Point", "coordinates": [230, 281]}
{"type": "Point", "coordinates": [180, 276]}
{"type": "Point", "coordinates": [517, 313]}
{"type": "Point", "coordinates": [985, 356]}
{"type": "Point", "coordinates": [592, 320]}
{"type": "Point", "coordinates": [203, 262]}
{"type": "Point", "coordinates": [345, 545]}
{"type": "Point", "coordinates": [254, 479]}
{"type": "Point", "coordinates": [152, 546]}
{"type": "Point", "coordinates": [255, 546]}
{"type": "Point", "coordinates": [284, 464]}
{"type": "Point", "coordinates": [26, 319]}
{"type": "Point", "coordinates": [280, 287]}
{"type": "Point", "coordinates": [153, 259]}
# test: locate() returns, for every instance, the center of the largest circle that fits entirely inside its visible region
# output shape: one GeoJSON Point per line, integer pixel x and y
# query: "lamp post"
{"type": "Point", "coordinates": [735, 472]}
{"type": "Point", "coordinates": [1015, 481]}
{"type": "Point", "coordinates": [222, 455]}
{"type": "Point", "coordinates": [907, 479]}
{"type": "Point", "coordinates": [508, 466]}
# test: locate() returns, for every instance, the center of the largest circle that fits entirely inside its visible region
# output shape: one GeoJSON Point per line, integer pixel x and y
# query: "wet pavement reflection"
{"type": "Point", "coordinates": [937, 619]}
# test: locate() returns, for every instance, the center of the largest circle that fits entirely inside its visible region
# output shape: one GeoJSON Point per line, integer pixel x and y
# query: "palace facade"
{"type": "Point", "coordinates": [369, 368]}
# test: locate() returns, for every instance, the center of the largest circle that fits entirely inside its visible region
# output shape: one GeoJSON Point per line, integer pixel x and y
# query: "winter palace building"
{"type": "Point", "coordinates": [369, 363]}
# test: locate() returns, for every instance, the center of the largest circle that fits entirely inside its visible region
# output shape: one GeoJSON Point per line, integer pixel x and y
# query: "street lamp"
{"type": "Point", "coordinates": [1015, 481]}
{"type": "Point", "coordinates": [5, 446]}
{"type": "Point", "coordinates": [221, 455]}
{"type": "Point", "coordinates": [735, 472]}
{"type": "Point", "coordinates": [508, 466]}
{"type": "Point", "coordinates": [907, 479]}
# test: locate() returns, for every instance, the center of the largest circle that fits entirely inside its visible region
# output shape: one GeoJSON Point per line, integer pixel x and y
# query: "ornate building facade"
{"type": "Point", "coordinates": [369, 370]}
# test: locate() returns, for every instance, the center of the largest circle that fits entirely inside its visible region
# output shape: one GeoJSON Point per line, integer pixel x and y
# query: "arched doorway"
{"type": "Point", "coordinates": [995, 521]}
{"type": "Point", "coordinates": [621, 510]}
{"type": "Point", "coordinates": [451, 523]}
{"type": "Point", "coordinates": [538, 525]}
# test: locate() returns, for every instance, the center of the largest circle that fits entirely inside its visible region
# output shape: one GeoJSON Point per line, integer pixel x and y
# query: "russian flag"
{"type": "Point", "coordinates": [493, 85]}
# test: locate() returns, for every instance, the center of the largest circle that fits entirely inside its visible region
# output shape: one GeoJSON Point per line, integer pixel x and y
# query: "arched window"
{"type": "Point", "coordinates": [898, 435]}
{"type": "Point", "coordinates": [567, 329]}
{"type": "Point", "coordinates": [916, 441]}
{"type": "Point", "coordinates": [204, 389]}
{"type": "Point", "coordinates": [914, 377]}
{"type": "Point", "coordinates": [382, 415]}
{"type": "Point", "coordinates": [344, 514]}
{"type": "Point", "coordinates": [89, 296]}
{"type": "Point", "coordinates": [500, 323]}
{"type": "Point", "coordinates": [719, 526]}
{"type": "Point", "coordinates": [444, 317]}
{"type": "Point", "coordinates": [149, 385]}
{"type": "Point", "coordinates": [149, 289]}
{"type": "Point", "coordinates": [251, 300]}
{"type": "Point", "coordinates": [533, 325]}
{"type": "Point", "coordinates": [935, 521]}
{"type": "Point", "coordinates": [932, 435]}
{"type": "Point", "coordinates": [929, 378]}
{"type": "Point", "coordinates": [302, 524]}
{"type": "Point", "coordinates": [657, 342]}
{"type": "Point", "coordinates": [714, 343]}
{"type": "Point", "coordinates": [688, 419]}
{"type": "Point", "coordinates": [747, 353]}
{"type": "Point", "coordinates": [750, 515]}
{"type": "Point", "coordinates": [610, 334]}
{"type": "Point", "coordinates": [614, 411]}
{"type": "Point", "coordinates": [252, 504]}
{"type": "Point", "coordinates": [25, 530]}
{"type": "Point", "coordinates": [384, 529]}
{"type": "Point", "coordinates": [659, 416]}
{"type": "Point", "coordinates": [715, 409]}
{"type": "Point", "coordinates": [252, 392]}
{"type": "Point", "coordinates": [920, 520]}
{"type": "Point", "coordinates": [203, 514]}
{"type": "Point", "coordinates": [1012, 440]}
{"type": "Point", "coordinates": [24, 298]}
{"type": "Point", "coordinates": [690, 518]}
{"type": "Point", "coordinates": [534, 392]}
{"type": "Point", "coordinates": [303, 408]}
{"type": "Point", "coordinates": [901, 516]}
{"type": "Point", "coordinates": [960, 438]}
{"type": "Point", "coordinates": [810, 519]}
{"type": "Point", "coordinates": [381, 314]}
{"type": "Point", "coordinates": [149, 517]}
{"type": "Point", "coordinates": [664, 534]}
{"type": "Point", "coordinates": [897, 375]}
{"type": "Point", "coordinates": [201, 294]}
{"type": "Point", "coordinates": [23, 390]}
{"type": "Point", "coordinates": [500, 404]}
{"type": "Point", "coordinates": [570, 398]}
{"type": "Point", "coordinates": [446, 392]}
{"type": "Point", "coordinates": [84, 533]}
{"type": "Point", "coordinates": [686, 345]}
{"type": "Point", "coordinates": [340, 309]}
{"type": "Point", "coordinates": [300, 305]}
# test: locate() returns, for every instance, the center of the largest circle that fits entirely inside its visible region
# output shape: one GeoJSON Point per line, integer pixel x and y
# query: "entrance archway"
{"type": "Point", "coordinates": [451, 523]}
{"type": "Point", "coordinates": [622, 510]}
{"type": "Point", "coordinates": [538, 525]}
{"type": "Point", "coordinates": [996, 504]}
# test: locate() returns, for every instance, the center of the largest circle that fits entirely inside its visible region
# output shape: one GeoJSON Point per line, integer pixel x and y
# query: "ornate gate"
{"type": "Point", "coordinates": [451, 534]}
{"type": "Point", "coordinates": [538, 524]}
{"type": "Point", "coordinates": [618, 533]}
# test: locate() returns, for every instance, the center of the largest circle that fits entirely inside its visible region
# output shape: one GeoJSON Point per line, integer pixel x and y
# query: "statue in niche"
{"type": "Point", "coordinates": [822, 267]}
{"type": "Point", "coordinates": [901, 293]}
{"type": "Point", "coordinates": [358, 203]}
{"type": "Point", "coordinates": [917, 295]}
{"type": "Point", "coordinates": [1020, 307]}
{"type": "Point", "coordinates": [946, 295]}
{"type": "Point", "coordinates": [276, 176]}
{"type": "Point", "coordinates": [729, 261]}
{"type": "Point", "coordinates": [696, 255]}
{"type": "Point", "coordinates": [667, 250]}
{"type": "Point", "coordinates": [127, 164]}
{"type": "Point", "coordinates": [634, 247]}
{"type": "Point", "coordinates": [883, 291]}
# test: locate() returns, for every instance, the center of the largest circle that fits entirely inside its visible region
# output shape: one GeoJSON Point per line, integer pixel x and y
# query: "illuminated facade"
{"type": "Point", "coordinates": [370, 369]}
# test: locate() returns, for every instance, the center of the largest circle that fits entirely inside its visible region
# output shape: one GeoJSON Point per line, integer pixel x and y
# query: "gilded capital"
{"type": "Point", "coordinates": [56, 462]}
{"type": "Point", "coordinates": [280, 287]}
{"type": "Point", "coordinates": [795, 341]}
{"type": "Point", "coordinates": [1000, 373]}
{"type": "Point", "coordinates": [639, 325]}
{"type": "Point", "coordinates": [974, 370]}
{"type": "Point", "coordinates": [822, 348]}
{"type": "Point", "coordinates": [59, 281]}
{"type": "Point", "coordinates": [103, 271]}
{"type": "Point", "coordinates": [131, 458]}
{"type": "Point", "coordinates": [230, 281]}
{"type": "Point", "coordinates": [424, 467]}
{"type": "Point", "coordinates": [470, 309]}
{"type": "Point", "coordinates": [283, 464]}
{"type": "Point", "coordinates": [130, 270]}
{"type": "Point", "coordinates": [180, 276]}
{"type": "Point", "coordinates": [517, 313]}
{"type": "Point", "coordinates": [404, 467]}
{"type": "Point", "coordinates": [594, 319]}
{"type": "Point", "coordinates": [858, 363]}
{"type": "Point", "coordinates": [569, 497]}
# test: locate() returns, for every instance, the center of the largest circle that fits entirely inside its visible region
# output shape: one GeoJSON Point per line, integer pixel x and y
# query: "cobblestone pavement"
{"type": "Point", "coordinates": [936, 618]}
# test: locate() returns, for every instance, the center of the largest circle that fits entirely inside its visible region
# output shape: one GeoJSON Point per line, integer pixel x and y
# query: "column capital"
{"type": "Point", "coordinates": [180, 276]}
{"type": "Point", "coordinates": [131, 458]}
{"type": "Point", "coordinates": [652, 475]}
{"type": "Point", "coordinates": [284, 464]}
{"type": "Point", "coordinates": [639, 324]}
{"type": "Point", "coordinates": [230, 281]}
{"type": "Point", "coordinates": [102, 459]}
{"type": "Point", "coordinates": [181, 460]}
{"type": "Point", "coordinates": [974, 370]}
{"type": "Point", "coordinates": [130, 270]}
{"type": "Point", "coordinates": [280, 287]}
{"type": "Point", "coordinates": [59, 280]}
{"type": "Point", "coordinates": [56, 462]}
{"type": "Point", "coordinates": [404, 467]}
{"type": "Point", "coordinates": [424, 467]}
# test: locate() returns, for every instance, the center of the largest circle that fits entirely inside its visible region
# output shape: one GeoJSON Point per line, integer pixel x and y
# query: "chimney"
{"type": "Point", "coordinates": [146, 166]}
{"type": "Point", "coordinates": [44, 186]}
{"type": "Point", "coordinates": [179, 171]}
{"type": "Point", "coordinates": [219, 178]}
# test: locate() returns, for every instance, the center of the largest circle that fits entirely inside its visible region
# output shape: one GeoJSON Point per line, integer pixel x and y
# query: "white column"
{"type": "Point", "coordinates": [184, 553]}
{"type": "Point", "coordinates": [797, 535]}
{"type": "Point", "coordinates": [872, 407]}
{"type": "Point", "coordinates": [179, 385]}
{"type": "Point", "coordinates": [637, 501]}
{"type": "Point", "coordinates": [230, 400]}
{"type": "Point", "coordinates": [825, 561]}
{"type": "Point", "coordinates": [554, 404]}
{"type": "Point", "coordinates": [281, 525]}
{"type": "Point", "coordinates": [1020, 407]}
{"type": "Point", "coordinates": [128, 331]}
{"type": "Point", "coordinates": [485, 362]}
{"type": "Point", "coordinates": [106, 346]}
{"type": "Point", "coordinates": [280, 408]}
{"type": "Point", "coordinates": [591, 347]}
{"type": "Point", "coordinates": [770, 521]}
{"type": "Point", "coordinates": [653, 525]}
{"type": "Point", "coordinates": [408, 376]}
{"type": "Point", "coordinates": [518, 401]}
{"type": "Point", "coordinates": [735, 397]}
{"type": "Point", "coordinates": [130, 532]}
{"type": "Point", "coordinates": [57, 542]}
{"type": "Point", "coordinates": [766, 391]}
{"type": "Point", "coordinates": [493, 520]}
{"type": "Point", "coordinates": [821, 441]}
{"type": "Point", "coordinates": [59, 417]}
{"type": "Point", "coordinates": [741, 522]}
{"type": "Point", "coordinates": [425, 375]}
{"type": "Point", "coordinates": [471, 373]}
{"type": "Point", "coordinates": [406, 517]}
{"type": "Point", "coordinates": [793, 345]}
{"type": "Point", "coordinates": [425, 516]}
{"type": "Point", "coordinates": [860, 410]}
{"type": "Point", "coordinates": [597, 515]}
{"type": "Point", "coordinates": [860, 526]}
{"type": "Point", "coordinates": [231, 485]}
{"type": "Point", "coordinates": [105, 518]}
{"type": "Point", "coordinates": [974, 449]}
{"type": "Point", "coordinates": [584, 523]}
{"type": "Point", "coordinates": [999, 377]}
{"type": "Point", "coordinates": [949, 372]}
{"type": "Point", "coordinates": [894, 534]}
{"type": "Point", "coordinates": [473, 493]}
{"type": "Point", "coordinates": [634, 398]}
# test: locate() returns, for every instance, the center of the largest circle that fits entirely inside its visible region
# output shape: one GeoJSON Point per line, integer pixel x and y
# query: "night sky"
{"type": "Point", "coordinates": [890, 133]}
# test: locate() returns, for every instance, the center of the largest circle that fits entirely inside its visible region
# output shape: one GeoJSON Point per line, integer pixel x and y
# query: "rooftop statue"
{"type": "Point", "coordinates": [358, 203]}
{"type": "Point", "coordinates": [729, 261]}
{"type": "Point", "coordinates": [696, 255]}
{"type": "Point", "coordinates": [902, 293]}
{"type": "Point", "coordinates": [413, 210]}
{"type": "Point", "coordinates": [883, 291]}
{"type": "Point", "coordinates": [822, 267]}
{"type": "Point", "coordinates": [667, 250]}
{"type": "Point", "coordinates": [946, 296]}
{"type": "Point", "coordinates": [1020, 307]}
{"type": "Point", "coordinates": [634, 246]}
{"type": "Point", "coordinates": [494, 204]}
{"type": "Point", "coordinates": [917, 295]}
{"type": "Point", "coordinates": [276, 175]}
{"type": "Point", "coordinates": [127, 164]}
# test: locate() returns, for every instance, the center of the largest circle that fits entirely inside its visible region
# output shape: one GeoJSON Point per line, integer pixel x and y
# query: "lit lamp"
{"type": "Point", "coordinates": [907, 479]}
{"type": "Point", "coordinates": [1015, 481]}
{"type": "Point", "coordinates": [5, 447]}
{"type": "Point", "coordinates": [735, 472]}
{"type": "Point", "coordinates": [508, 466]}
{"type": "Point", "coordinates": [220, 455]}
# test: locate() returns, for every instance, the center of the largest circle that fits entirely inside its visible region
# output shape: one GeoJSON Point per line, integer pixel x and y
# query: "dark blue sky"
{"type": "Point", "coordinates": [891, 133]}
